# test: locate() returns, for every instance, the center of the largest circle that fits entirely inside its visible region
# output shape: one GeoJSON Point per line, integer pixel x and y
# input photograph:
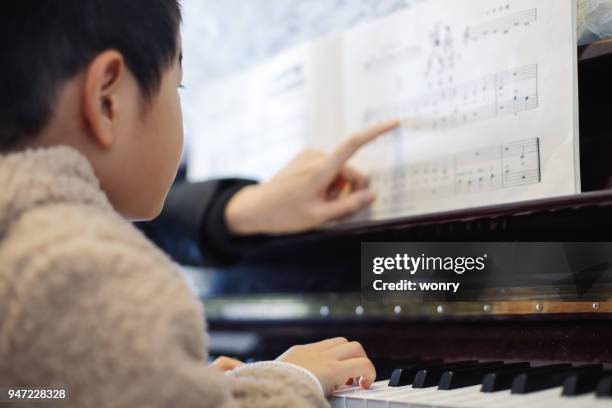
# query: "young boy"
{"type": "Point", "coordinates": [90, 134]}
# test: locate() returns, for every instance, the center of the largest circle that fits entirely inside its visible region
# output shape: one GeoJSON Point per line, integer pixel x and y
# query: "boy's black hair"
{"type": "Point", "coordinates": [43, 43]}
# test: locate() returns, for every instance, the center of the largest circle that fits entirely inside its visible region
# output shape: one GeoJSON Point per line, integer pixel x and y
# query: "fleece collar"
{"type": "Point", "coordinates": [47, 176]}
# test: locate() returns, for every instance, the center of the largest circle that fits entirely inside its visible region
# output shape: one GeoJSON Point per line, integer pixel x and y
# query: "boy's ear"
{"type": "Point", "coordinates": [100, 97]}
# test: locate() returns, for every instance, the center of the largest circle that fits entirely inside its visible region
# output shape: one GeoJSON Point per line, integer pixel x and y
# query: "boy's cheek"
{"type": "Point", "coordinates": [168, 131]}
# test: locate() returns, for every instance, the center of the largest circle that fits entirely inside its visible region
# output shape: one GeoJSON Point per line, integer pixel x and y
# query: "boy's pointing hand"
{"type": "Point", "coordinates": [312, 189]}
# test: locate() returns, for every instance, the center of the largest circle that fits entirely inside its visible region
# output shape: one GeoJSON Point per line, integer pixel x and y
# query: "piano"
{"type": "Point", "coordinates": [539, 343]}
{"type": "Point", "coordinates": [469, 383]}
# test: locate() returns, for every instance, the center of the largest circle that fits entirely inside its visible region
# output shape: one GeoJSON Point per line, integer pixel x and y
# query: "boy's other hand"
{"type": "Point", "coordinates": [335, 362]}
{"type": "Point", "coordinates": [226, 364]}
{"type": "Point", "coordinates": [312, 189]}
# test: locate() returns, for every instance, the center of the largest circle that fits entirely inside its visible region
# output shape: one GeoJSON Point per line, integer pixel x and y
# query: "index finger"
{"type": "Point", "coordinates": [358, 140]}
{"type": "Point", "coordinates": [359, 367]}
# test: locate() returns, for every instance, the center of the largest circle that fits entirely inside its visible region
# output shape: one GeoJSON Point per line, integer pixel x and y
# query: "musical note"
{"type": "Point", "coordinates": [476, 171]}
{"type": "Point", "coordinates": [521, 163]}
{"type": "Point", "coordinates": [504, 93]}
{"type": "Point", "coordinates": [443, 53]}
{"type": "Point", "coordinates": [502, 25]}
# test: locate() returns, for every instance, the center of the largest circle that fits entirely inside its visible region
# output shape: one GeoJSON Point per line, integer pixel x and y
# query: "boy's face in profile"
{"type": "Point", "coordinates": [153, 135]}
{"type": "Point", "coordinates": [133, 142]}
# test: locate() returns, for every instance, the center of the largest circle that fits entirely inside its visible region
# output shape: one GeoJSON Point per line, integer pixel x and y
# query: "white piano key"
{"type": "Point", "coordinates": [478, 399]}
{"type": "Point", "coordinates": [336, 402]}
{"type": "Point", "coordinates": [581, 401]}
{"type": "Point", "coordinates": [381, 400]}
{"type": "Point", "coordinates": [339, 397]}
{"type": "Point", "coordinates": [544, 398]}
{"type": "Point", "coordinates": [411, 394]}
{"type": "Point", "coordinates": [375, 398]}
{"type": "Point", "coordinates": [432, 396]}
{"type": "Point", "coordinates": [382, 396]}
{"type": "Point", "coordinates": [505, 398]}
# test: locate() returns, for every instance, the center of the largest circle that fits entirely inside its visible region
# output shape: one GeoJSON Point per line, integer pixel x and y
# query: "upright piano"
{"type": "Point", "coordinates": [536, 343]}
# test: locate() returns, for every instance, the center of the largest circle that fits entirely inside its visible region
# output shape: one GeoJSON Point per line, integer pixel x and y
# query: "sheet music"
{"type": "Point", "coordinates": [487, 91]}
{"type": "Point", "coordinates": [250, 124]}
{"type": "Point", "coordinates": [482, 170]}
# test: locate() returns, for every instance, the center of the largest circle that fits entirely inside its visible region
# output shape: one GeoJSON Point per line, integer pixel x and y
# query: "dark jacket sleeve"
{"type": "Point", "coordinates": [192, 226]}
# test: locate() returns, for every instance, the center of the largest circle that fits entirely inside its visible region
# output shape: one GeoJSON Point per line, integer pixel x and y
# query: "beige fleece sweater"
{"type": "Point", "coordinates": [88, 303]}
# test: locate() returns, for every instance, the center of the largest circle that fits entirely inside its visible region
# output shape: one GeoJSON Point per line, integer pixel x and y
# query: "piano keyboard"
{"type": "Point", "coordinates": [432, 383]}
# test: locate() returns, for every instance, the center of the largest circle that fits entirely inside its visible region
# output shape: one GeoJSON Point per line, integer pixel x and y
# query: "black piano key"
{"type": "Point", "coordinates": [604, 387]}
{"type": "Point", "coordinates": [405, 375]}
{"type": "Point", "coordinates": [502, 380]}
{"type": "Point", "coordinates": [430, 376]}
{"type": "Point", "coordinates": [465, 377]}
{"type": "Point", "coordinates": [543, 380]}
{"type": "Point", "coordinates": [384, 366]}
{"type": "Point", "coordinates": [582, 383]}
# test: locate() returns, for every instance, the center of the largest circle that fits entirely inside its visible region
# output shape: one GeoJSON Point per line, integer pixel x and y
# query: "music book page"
{"type": "Point", "coordinates": [487, 91]}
